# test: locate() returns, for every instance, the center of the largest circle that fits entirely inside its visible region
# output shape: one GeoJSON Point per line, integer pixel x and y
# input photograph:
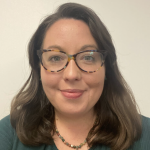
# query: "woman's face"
{"type": "Point", "coordinates": [71, 91]}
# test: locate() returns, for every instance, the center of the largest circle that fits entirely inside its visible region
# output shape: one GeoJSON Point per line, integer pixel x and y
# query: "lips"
{"type": "Point", "coordinates": [72, 93]}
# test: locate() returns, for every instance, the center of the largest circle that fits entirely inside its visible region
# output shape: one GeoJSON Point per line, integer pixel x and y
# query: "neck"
{"type": "Point", "coordinates": [75, 126]}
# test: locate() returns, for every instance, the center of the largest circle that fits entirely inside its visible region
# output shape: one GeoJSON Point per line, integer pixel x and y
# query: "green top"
{"type": "Point", "coordinates": [10, 141]}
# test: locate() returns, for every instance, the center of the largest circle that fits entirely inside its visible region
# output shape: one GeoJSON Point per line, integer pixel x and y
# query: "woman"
{"type": "Point", "coordinates": [75, 92]}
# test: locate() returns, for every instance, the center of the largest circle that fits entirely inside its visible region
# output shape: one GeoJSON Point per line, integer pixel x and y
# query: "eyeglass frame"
{"type": "Point", "coordinates": [71, 57]}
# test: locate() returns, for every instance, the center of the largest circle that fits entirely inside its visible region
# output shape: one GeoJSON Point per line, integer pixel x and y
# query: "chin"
{"type": "Point", "coordinates": [74, 111]}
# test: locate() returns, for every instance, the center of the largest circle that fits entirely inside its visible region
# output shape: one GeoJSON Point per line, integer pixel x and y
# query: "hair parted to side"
{"type": "Point", "coordinates": [32, 115]}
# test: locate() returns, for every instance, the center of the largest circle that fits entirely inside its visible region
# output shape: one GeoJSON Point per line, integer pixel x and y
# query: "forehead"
{"type": "Point", "coordinates": [69, 32]}
{"type": "Point", "coordinates": [62, 26]}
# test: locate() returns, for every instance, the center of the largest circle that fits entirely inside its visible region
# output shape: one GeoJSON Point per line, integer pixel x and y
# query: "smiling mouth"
{"type": "Point", "coordinates": [72, 93]}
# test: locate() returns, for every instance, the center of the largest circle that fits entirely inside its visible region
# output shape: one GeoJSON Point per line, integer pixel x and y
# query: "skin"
{"type": "Point", "coordinates": [72, 36]}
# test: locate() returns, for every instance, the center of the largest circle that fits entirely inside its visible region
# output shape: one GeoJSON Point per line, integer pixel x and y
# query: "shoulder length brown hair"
{"type": "Point", "coordinates": [32, 115]}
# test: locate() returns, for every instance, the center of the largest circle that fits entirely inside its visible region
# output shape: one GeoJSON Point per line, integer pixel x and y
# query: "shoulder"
{"type": "Point", "coordinates": [144, 141]}
{"type": "Point", "coordinates": [9, 139]}
{"type": "Point", "coordinates": [6, 133]}
{"type": "Point", "coordinates": [6, 128]}
{"type": "Point", "coordinates": [146, 129]}
{"type": "Point", "coordinates": [145, 123]}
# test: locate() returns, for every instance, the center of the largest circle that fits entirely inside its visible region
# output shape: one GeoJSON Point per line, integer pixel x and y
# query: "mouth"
{"type": "Point", "coordinates": [72, 93]}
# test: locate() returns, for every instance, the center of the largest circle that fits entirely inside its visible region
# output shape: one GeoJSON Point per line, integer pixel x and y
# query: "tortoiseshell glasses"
{"type": "Point", "coordinates": [55, 60]}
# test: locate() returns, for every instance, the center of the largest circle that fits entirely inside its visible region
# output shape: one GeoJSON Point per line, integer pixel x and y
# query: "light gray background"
{"type": "Point", "coordinates": [128, 21]}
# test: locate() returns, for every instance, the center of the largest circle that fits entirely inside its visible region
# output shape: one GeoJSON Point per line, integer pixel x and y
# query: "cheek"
{"type": "Point", "coordinates": [49, 80]}
{"type": "Point", "coordinates": [96, 79]}
{"type": "Point", "coordinates": [95, 83]}
{"type": "Point", "coordinates": [96, 86]}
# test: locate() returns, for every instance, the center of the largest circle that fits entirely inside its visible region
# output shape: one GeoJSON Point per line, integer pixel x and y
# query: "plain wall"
{"type": "Point", "coordinates": [128, 21]}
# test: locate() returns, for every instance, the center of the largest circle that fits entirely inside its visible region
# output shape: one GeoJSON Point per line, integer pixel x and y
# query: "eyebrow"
{"type": "Point", "coordinates": [94, 47]}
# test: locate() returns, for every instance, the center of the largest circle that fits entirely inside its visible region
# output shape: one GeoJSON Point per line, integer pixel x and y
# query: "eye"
{"type": "Point", "coordinates": [88, 58]}
{"type": "Point", "coordinates": [54, 58]}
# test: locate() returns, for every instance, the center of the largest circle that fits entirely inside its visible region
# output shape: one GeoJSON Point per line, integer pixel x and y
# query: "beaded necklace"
{"type": "Point", "coordinates": [74, 146]}
{"type": "Point", "coordinates": [70, 145]}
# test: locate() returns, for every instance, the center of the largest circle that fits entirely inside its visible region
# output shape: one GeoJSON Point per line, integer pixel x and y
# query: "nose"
{"type": "Point", "coordinates": [72, 72]}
